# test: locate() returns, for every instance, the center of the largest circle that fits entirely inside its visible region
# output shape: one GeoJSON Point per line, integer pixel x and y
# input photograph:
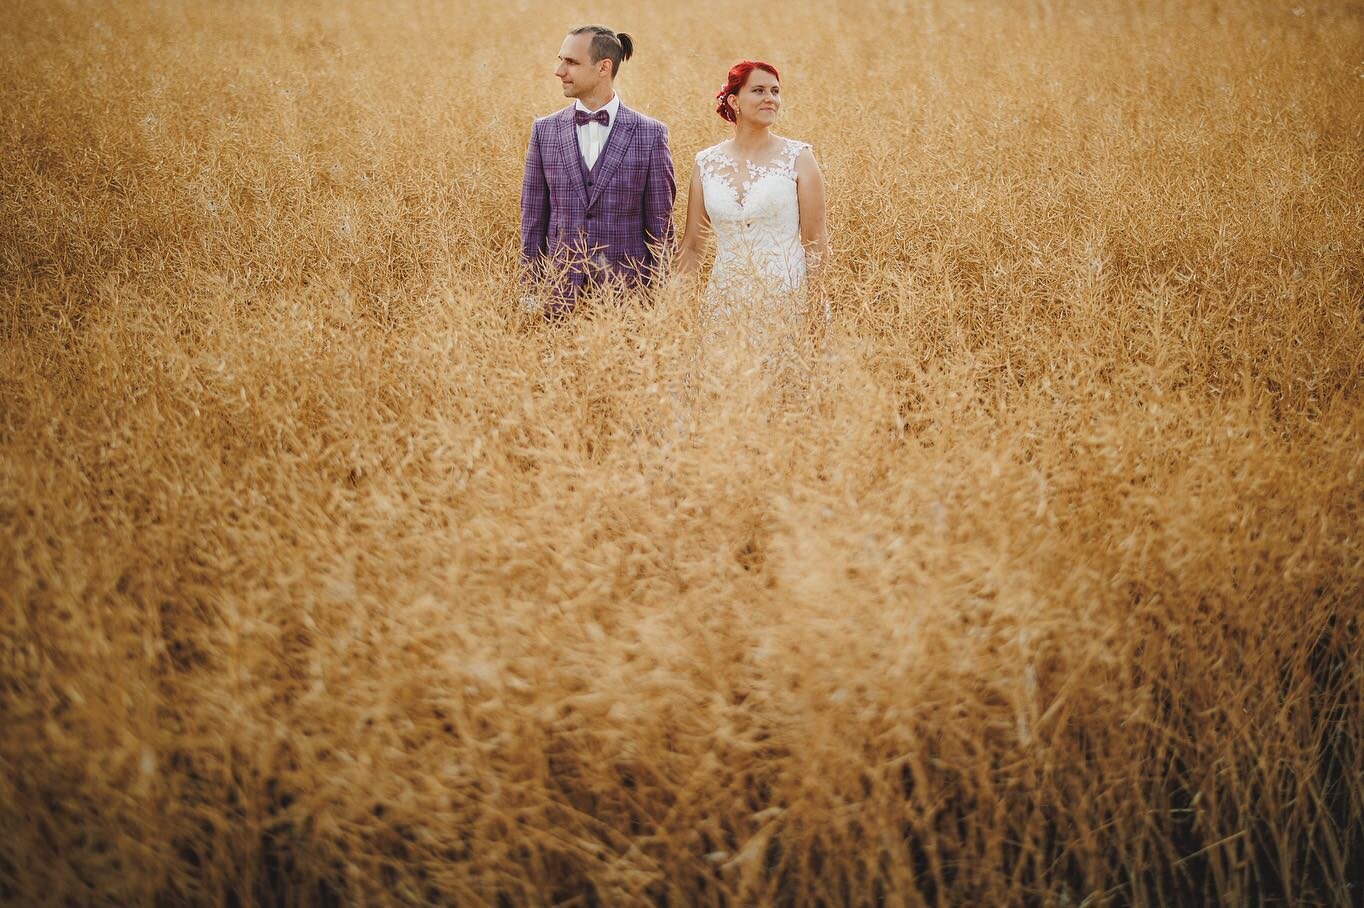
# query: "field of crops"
{"type": "Point", "coordinates": [328, 577]}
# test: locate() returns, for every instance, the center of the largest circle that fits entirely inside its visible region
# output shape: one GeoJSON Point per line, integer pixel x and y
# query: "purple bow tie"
{"type": "Point", "coordinates": [582, 117]}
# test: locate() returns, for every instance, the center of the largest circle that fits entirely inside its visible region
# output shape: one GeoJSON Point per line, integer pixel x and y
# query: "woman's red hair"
{"type": "Point", "coordinates": [738, 75]}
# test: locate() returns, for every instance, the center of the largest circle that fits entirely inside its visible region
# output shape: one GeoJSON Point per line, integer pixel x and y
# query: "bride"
{"type": "Point", "coordinates": [762, 196]}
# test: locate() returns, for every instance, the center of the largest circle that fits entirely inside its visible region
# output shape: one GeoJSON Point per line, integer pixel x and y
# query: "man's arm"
{"type": "Point", "coordinates": [534, 210]}
{"type": "Point", "coordinates": [660, 192]}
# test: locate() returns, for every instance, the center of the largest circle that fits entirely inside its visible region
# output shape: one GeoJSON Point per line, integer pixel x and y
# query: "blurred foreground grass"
{"type": "Point", "coordinates": [326, 579]}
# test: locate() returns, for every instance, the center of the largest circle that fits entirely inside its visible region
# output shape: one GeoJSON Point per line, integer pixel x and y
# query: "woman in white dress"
{"type": "Point", "coordinates": [762, 196]}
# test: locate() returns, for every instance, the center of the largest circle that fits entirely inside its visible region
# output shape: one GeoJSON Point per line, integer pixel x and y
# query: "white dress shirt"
{"type": "Point", "coordinates": [592, 136]}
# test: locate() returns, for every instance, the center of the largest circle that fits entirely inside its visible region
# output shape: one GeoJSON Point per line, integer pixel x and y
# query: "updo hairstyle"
{"type": "Point", "coordinates": [738, 75]}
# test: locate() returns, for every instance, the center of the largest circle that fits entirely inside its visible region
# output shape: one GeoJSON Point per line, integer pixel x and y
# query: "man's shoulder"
{"type": "Point", "coordinates": [646, 122]}
{"type": "Point", "coordinates": [550, 119]}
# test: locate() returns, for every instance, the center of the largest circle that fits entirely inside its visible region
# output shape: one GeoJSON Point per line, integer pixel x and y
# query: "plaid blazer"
{"type": "Point", "coordinates": [621, 226]}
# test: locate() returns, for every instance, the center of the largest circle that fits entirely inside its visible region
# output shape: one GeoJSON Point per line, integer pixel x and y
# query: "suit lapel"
{"type": "Point", "coordinates": [568, 150]}
{"type": "Point", "coordinates": [617, 144]}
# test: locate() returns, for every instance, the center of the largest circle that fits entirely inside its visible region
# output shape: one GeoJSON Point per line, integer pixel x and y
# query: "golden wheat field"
{"type": "Point", "coordinates": [328, 578]}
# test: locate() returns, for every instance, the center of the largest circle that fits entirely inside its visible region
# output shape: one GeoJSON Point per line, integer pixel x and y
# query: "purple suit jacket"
{"type": "Point", "coordinates": [620, 226]}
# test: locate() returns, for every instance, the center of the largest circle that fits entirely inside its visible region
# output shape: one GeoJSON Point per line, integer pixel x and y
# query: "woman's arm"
{"type": "Point", "coordinates": [694, 233]}
{"type": "Point", "coordinates": [814, 231]}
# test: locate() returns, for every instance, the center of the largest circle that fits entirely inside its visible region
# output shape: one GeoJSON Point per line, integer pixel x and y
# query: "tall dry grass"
{"type": "Point", "coordinates": [328, 579]}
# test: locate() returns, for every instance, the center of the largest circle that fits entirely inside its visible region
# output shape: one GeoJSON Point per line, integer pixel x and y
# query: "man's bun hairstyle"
{"type": "Point", "coordinates": [607, 44]}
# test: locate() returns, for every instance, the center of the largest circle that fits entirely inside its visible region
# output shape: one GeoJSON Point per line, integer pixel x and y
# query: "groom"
{"type": "Point", "coordinates": [598, 190]}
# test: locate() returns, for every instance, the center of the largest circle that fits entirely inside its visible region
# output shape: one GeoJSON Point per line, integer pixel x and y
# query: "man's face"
{"type": "Point", "coordinates": [579, 75]}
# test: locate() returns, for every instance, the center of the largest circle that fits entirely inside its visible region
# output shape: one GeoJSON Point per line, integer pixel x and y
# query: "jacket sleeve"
{"type": "Point", "coordinates": [534, 209]}
{"type": "Point", "coordinates": [660, 192]}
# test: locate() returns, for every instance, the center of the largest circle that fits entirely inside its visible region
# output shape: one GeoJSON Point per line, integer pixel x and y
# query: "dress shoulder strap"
{"type": "Point", "coordinates": [793, 149]}
{"type": "Point", "coordinates": [707, 155]}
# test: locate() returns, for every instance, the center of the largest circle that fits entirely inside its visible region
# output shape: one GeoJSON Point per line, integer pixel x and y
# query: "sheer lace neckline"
{"type": "Point", "coordinates": [782, 152]}
{"type": "Point", "coordinates": [739, 175]}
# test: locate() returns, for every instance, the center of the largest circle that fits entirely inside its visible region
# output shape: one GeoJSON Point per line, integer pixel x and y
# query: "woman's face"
{"type": "Point", "coordinates": [758, 102]}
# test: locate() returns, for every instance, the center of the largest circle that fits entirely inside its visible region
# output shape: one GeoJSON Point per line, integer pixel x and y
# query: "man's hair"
{"type": "Point", "coordinates": [608, 44]}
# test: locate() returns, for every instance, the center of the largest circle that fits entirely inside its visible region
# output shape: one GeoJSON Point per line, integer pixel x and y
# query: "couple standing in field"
{"type": "Point", "coordinates": [598, 191]}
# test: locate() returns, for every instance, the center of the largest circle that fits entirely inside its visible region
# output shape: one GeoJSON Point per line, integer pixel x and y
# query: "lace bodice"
{"type": "Point", "coordinates": [759, 259]}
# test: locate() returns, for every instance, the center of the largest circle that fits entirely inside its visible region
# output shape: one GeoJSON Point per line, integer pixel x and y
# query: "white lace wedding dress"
{"type": "Point", "coordinates": [759, 270]}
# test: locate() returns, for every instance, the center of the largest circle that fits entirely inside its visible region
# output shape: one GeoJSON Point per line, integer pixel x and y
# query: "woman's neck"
{"type": "Point", "coordinates": [749, 138]}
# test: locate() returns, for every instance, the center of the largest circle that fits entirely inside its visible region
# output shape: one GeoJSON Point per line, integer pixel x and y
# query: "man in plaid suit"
{"type": "Point", "coordinates": [598, 190]}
